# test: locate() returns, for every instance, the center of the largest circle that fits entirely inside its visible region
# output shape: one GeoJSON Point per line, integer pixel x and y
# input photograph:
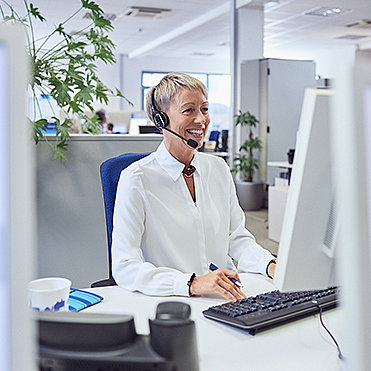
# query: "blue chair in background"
{"type": "Point", "coordinates": [110, 171]}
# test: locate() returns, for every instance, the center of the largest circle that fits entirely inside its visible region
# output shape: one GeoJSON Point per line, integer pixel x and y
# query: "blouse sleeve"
{"type": "Point", "coordinates": [243, 248]}
{"type": "Point", "coordinates": [128, 267]}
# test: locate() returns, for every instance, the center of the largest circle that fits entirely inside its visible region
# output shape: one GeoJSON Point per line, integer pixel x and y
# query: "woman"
{"type": "Point", "coordinates": [170, 222]}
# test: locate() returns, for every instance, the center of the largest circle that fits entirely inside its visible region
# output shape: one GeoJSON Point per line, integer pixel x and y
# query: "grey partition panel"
{"type": "Point", "coordinates": [71, 221]}
{"type": "Point", "coordinates": [273, 89]}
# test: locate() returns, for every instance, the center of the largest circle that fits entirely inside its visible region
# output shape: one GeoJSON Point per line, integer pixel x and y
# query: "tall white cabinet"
{"type": "Point", "coordinates": [273, 90]}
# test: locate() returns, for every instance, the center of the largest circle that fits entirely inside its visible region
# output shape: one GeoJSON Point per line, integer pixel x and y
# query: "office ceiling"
{"type": "Point", "coordinates": [200, 28]}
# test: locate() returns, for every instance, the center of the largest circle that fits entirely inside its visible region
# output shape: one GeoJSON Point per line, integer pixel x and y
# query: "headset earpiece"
{"type": "Point", "coordinates": [160, 119]}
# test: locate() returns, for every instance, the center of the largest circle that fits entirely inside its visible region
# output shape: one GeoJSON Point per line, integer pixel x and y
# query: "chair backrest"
{"type": "Point", "coordinates": [110, 171]}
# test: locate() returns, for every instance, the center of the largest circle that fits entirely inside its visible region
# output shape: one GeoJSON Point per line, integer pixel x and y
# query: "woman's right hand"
{"type": "Point", "coordinates": [218, 281]}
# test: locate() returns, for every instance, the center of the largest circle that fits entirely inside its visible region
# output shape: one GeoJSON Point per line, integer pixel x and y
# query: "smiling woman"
{"type": "Point", "coordinates": [176, 210]}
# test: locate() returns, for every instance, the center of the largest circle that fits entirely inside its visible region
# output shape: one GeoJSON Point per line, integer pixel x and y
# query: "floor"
{"type": "Point", "coordinates": [257, 224]}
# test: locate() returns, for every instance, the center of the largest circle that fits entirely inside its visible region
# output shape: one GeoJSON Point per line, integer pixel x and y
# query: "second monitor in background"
{"type": "Point", "coordinates": [149, 129]}
{"type": "Point", "coordinates": [309, 232]}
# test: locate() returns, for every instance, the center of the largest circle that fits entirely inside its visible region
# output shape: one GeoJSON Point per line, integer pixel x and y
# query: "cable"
{"type": "Point", "coordinates": [328, 331]}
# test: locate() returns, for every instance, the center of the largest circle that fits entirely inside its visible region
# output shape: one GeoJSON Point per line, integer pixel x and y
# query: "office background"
{"type": "Point", "coordinates": [192, 37]}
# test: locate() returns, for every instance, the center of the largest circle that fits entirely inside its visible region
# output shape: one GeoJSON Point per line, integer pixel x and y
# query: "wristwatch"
{"type": "Point", "coordinates": [189, 283]}
{"type": "Point", "coordinates": [273, 261]}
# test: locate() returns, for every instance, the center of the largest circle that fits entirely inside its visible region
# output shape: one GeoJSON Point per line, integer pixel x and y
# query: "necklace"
{"type": "Point", "coordinates": [188, 171]}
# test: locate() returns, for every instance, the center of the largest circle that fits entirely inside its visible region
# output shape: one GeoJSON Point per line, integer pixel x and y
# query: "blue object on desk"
{"type": "Point", "coordinates": [80, 299]}
{"type": "Point", "coordinates": [213, 268]}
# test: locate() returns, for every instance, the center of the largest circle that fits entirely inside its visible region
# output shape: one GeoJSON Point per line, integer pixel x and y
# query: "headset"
{"type": "Point", "coordinates": [160, 119]}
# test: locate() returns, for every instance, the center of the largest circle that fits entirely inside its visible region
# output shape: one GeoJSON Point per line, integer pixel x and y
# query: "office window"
{"type": "Point", "coordinates": [218, 86]}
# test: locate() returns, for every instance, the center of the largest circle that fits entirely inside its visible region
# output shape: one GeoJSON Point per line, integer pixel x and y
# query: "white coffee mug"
{"type": "Point", "coordinates": [49, 294]}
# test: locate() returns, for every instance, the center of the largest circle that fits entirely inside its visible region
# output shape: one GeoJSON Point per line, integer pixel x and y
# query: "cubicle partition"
{"type": "Point", "coordinates": [71, 222]}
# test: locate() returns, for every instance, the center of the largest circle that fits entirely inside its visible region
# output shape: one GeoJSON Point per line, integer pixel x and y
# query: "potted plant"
{"type": "Point", "coordinates": [64, 66]}
{"type": "Point", "coordinates": [250, 192]}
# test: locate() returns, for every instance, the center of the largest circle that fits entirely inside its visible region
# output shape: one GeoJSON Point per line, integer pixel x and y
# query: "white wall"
{"type": "Point", "coordinates": [326, 59]}
{"type": "Point", "coordinates": [109, 74]}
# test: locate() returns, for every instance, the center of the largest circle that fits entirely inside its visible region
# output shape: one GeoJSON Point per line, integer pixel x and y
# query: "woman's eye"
{"type": "Point", "coordinates": [188, 110]}
{"type": "Point", "coordinates": [205, 109]}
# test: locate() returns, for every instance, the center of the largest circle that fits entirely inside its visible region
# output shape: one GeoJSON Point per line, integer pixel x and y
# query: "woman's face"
{"type": "Point", "coordinates": [188, 114]}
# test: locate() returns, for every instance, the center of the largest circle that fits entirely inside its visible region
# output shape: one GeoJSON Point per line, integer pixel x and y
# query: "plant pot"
{"type": "Point", "coordinates": [250, 194]}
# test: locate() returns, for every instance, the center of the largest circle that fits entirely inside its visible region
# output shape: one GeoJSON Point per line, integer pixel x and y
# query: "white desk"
{"type": "Point", "coordinates": [301, 345]}
{"type": "Point", "coordinates": [283, 164]}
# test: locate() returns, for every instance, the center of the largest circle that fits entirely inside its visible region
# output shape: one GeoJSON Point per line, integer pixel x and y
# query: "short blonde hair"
{"type": "Point", "coordinates": [168, 87]}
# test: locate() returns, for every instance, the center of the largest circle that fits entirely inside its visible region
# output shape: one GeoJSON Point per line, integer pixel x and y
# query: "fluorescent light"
{"type": "Point", "coordinates": [326, 11]}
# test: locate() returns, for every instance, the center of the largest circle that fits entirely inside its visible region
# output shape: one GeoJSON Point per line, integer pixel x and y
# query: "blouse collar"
{"type": "Point", "coordinates": [171, 165]}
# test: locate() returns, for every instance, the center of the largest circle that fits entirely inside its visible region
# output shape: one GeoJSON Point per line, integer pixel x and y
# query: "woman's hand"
{"type": "Point", "coordinates": [218, 281]}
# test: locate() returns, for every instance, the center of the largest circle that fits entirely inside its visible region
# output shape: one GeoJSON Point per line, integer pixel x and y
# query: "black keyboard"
{"type": "Point", "coordinates": [271, 309]}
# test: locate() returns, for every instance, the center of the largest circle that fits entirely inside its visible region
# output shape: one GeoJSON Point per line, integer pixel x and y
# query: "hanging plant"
{"type": "Point", "coordinates": [64, 67]}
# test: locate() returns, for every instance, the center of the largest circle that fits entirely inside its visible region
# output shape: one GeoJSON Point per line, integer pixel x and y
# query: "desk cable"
{"type": "Point", "coordinates": [328, 331]}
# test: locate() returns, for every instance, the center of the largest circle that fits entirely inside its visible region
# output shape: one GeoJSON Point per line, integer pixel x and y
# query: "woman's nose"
{"type": "Point", "coordinates": [200, 117]}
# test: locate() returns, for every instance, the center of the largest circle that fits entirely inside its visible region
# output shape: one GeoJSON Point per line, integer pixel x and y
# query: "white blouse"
{"type": "Point", "coordinates": [160, 236]}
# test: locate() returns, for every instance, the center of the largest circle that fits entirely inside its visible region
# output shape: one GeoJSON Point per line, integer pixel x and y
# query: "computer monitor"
{"type": "Point", "coordinates": [17, 198]}
{"type": "Point", "coordinates": [148, 129]}
{"type": "Point", "coordinates": [352, 151]}
{"type": "Point", "coordinates": [309, 231]}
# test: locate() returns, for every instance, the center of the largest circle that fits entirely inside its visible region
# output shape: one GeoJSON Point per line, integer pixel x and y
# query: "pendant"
{"type": "Point", "coordinates": [188, 172]}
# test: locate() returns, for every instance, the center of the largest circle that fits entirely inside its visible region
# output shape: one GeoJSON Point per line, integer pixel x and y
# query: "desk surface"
{"type": "Point", "coordinates": [300, 345]}
{"type": "Point", "coordinates": [283, 164]}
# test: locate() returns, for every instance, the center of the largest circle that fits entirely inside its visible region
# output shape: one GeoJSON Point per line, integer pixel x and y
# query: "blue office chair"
{"type": "Point", "coordinates": [110, 171]}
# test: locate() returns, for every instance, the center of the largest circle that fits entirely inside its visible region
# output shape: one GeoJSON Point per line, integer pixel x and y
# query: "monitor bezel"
{"type": "Point", "coordinates": [22, 201]}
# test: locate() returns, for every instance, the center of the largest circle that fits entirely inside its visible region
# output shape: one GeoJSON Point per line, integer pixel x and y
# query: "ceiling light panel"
{"type": "Point", "coordinates": [352, 37]}
{"type": "Point", "coordinates": [145, 12]}
{"type": "Point", "coordinates": [327, 11]}
{"type": "Point", "coordinates": [364, 23]}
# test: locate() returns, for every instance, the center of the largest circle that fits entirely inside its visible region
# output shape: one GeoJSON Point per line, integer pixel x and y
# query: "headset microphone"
{"type": "Point", "coordinates": [161, 120]}
{"type": "Point", "coordinates": [192, 143]}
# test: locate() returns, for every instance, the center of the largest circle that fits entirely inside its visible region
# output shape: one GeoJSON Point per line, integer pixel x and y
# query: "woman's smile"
{"type": "Point", "coordinates": [197, 133]}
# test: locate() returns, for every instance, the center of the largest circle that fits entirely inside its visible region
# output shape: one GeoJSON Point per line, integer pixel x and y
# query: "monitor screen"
{"type": "Point", "coordinates": [309, 231]}
{"type": "Point", "coordinates": [148, 129]}
{"type": "Point", "coordinates": [16, 205]}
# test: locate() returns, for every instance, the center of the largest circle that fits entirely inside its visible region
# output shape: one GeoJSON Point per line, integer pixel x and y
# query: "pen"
{"type": "Point", "coordinates": [213, 267]}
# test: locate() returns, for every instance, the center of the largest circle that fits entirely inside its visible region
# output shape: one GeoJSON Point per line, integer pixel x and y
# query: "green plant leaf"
{"type": "Point", "coordinates": [245, 119]}
{"type": "Point", "coordinates": [39, 129]}
{"type": "Point", "coordinates": [119, 94]}
{"type": "Point", "coordinates": [35, 12]}
{"type": "Point", "coordinates": [92, 6]}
